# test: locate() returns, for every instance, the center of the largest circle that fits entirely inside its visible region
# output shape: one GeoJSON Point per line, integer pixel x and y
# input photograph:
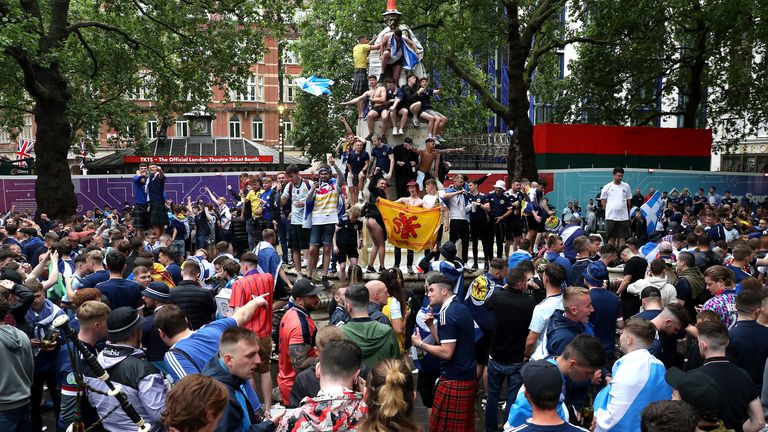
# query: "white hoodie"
{"type": "Point", "coordinates": [668, 291]}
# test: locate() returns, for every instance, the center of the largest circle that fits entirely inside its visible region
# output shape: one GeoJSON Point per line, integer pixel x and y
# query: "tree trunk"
{"type": "Point", "coordinates": [695, 89]}
{"type": "Point", "coordinates": [54, 191]}
{"type": "Point", "coordinates": [517, 107]}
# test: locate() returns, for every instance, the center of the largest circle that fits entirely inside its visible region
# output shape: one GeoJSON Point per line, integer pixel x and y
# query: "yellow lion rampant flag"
{"type": "Point", "coordinates": [413, 228]}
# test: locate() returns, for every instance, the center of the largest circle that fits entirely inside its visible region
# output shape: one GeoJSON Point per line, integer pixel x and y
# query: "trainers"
{"type": "Point", "coordinates": [370, 269]}
{"type": "Point", "coordinates": [394, 131]}
{"type": "Point", "coordinates": [439, 137]}
{"type": "Point", "coordinates": [316, 277]}
{"type": "Point", "coordinates": [381, 269]}
{"type": "Point", "coordinates": [370, 135]}
{"type": "Point", "coordinates": [415, 121]}
{"type": "Point", "coordinates": [400, 131]}
{"type": "Point", "coordinates": [410, 270]}
{"type": "Point", "coordinates": [324, 282]}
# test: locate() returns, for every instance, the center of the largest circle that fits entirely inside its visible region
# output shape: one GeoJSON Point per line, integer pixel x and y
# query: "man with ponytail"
{"type": "Point", "coordinates": [339, 404]}
{"type": "Point", "coordinates": [389, 395]}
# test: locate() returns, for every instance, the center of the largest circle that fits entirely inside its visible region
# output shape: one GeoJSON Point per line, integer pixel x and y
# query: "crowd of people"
{"type": "Point", "coordinates": [185, 305]}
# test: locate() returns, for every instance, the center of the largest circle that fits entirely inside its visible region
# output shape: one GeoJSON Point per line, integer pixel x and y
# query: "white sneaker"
{"type": "Point", "coordinates": [400, 131]}
{"type": "Point", "coordinates": [394, 131]}
{"type": "Point", "coordinates": [415, 121]}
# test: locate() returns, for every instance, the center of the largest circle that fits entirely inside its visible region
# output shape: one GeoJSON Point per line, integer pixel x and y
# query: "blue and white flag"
{"type": "Point", "coordinates": [314, 85]}
{"type": "Point", "coordinates": [410, 58]}
{"type": "Point", "coordinates": [652, 212]}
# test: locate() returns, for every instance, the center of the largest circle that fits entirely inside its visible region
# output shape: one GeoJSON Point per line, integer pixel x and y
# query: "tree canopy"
{"type": "Point", "coordinates": [76, 65]}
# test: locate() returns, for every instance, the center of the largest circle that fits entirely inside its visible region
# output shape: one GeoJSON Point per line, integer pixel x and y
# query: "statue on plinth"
{"type": "Point", "coordinates": [398, 49]}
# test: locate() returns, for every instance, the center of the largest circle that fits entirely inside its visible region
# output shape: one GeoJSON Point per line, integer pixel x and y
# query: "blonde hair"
{"type": "Point", "coordinates": [91, 311]}
{"type": "Point", "coordinates": [389, 398]}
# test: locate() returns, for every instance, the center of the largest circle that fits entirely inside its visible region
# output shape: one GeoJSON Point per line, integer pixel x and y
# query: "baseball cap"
{"type": "Point", "coordinates": [541, 377]}
{"type": "Point", "coordinates": [304, 288]}
{"type": "Point", "coordinates": [650, 292]}
{"type": "Point", "coordinates": [698, 389]}
{"type": "Point", "coordinates": [122, 322]}
{"type": "Point", "coordinates": [500, 184]}
{"type": "Point", "coordinates": [157, 291]}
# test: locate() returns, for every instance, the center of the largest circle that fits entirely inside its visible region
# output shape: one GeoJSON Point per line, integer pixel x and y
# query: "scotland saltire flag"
{"type": "Point", "coordinates": [410, 58]}
{"type": "Point", "coordinates": [652, 212]}
{"type": "Point", "coordinates": [314, 85]}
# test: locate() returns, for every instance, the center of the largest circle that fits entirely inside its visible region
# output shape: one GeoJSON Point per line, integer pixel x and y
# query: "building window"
{"type": "Point", "coordinates": [288, 89]}
{"type": "Point", "coordinates": [182, 128]}
{"type": "Point", "coordinates": [290, 57]}
{"type": "Point", "coordinates": [26, 130]}
{"type": "Point", "coordinates": [257, 129]}
{"type": "Point", "coordinates": [5, 136]}
{"type": "Point", "coordinates": [254, 90]}
{"type": "Point", "coordinates": [234, 127]}
{"type": "Point", "coordinates": [152, 129]}
{"type": "Point", "coordinates": [287, 127]}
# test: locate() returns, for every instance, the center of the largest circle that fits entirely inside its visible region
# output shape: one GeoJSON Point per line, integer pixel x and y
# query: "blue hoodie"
{"type": "Point", "coordinates": [241, 397]}
{"type": "Point", "coordinates": [562, 330]}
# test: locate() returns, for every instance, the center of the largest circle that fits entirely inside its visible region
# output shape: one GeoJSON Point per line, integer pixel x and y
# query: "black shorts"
{"type": "Point", "coordinates": [483, 347]}
{"type": "Point", "coordinates": [379, 109]}
{"type": "Point", "coordinates": [426, 386]}
{"type": "Point", "coordinates": [299, 237]}
{"type": "Point", "coordinates": [141, 216]}
{"type": "Point", "coordinates": [280, 292]}
{"type": "Point", "coordinates": [617, 229]}
{"type": "Point", "coordinates": [398, 62]}
{"type": "Point", "coordinates": [514, 225]}
{"type": "Point", "coordinates": [346, 252]}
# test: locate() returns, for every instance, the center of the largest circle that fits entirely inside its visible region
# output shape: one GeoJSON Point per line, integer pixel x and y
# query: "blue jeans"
{"type": "Point", "coordinates": [16, 420]}
{"type": "Point", "coordinates": [178, 249]}
{"type": "Point", "coordinates": [497, 373]}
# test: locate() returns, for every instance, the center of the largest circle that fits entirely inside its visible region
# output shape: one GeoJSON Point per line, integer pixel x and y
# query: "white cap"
{"type": "Point", "coordinates": [500, 184]}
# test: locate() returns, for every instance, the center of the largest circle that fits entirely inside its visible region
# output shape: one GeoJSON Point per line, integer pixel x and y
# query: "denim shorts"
{"type": "Point", "coordinates": [322, 235]}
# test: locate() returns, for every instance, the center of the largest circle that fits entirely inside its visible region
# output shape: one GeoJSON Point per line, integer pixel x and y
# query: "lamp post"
{"type": "Point", "coordinates": [281, 139]}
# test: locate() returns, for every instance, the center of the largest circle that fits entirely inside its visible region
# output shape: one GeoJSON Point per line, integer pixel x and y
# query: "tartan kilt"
{"type": "Point", "coordinates": [140, 216]}
{"type": "Point", "coordinates": [454, 406]}
{"type": "Point", "coordinates": [360, 82]}
{"type": "Point", "coordinates": [158, 215]}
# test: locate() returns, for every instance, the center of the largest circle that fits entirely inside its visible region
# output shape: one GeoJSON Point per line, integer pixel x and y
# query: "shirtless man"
{"type": "Point", "coordinates": [429, 161]}
{"type": "Point", "coordinates": [377, 98]}
{"type": "Point", "coordinates": [412, 200]}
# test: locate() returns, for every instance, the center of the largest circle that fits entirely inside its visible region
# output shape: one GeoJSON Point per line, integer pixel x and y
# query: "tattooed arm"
{"type": "Point", "coordinates": [299, 355]}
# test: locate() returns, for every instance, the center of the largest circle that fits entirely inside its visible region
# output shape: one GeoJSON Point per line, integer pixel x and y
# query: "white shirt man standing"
{"type": "Point", "coordinates": [616, 197]}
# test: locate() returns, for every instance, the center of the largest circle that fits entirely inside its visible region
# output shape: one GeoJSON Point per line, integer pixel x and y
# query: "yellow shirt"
{"type": "Point", "coordinates": [256, 202]}
{"type": "Point", "coordinates": [360, 55]}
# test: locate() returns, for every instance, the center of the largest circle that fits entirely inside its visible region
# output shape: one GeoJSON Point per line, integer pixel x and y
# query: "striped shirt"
{"type": "Point", "coordinates": [325, 210]}
{"type": "Point", "coordinates": [255, 284]}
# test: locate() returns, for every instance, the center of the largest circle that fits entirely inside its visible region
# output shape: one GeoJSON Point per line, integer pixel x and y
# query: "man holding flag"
{"type": "Point", "coordinates": [616, 197]}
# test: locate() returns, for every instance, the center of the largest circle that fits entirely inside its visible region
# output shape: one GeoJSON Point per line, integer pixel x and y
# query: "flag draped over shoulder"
{"type": "Point", "coordinates": [652, 212]}
{"type": "Point", "coordinates": [413, 228]}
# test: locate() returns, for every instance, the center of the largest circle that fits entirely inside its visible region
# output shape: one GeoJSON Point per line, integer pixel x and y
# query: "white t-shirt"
{"type": "Point", "coordinates": [430, 201]}
{"type": "Point", "coordinates": [297, 203]}
{"type": "Point", "coordinates": [616, 196]}
{"type": "Point", "coordinates": [541, 315]}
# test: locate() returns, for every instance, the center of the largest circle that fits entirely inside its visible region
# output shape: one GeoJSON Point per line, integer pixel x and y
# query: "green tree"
{"type": "Point", "coordinates": [686, 59]}
{"type": "Point", "coordinates": [328, 32]}
{"type": "Point", "coordinates": [74, 64]}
